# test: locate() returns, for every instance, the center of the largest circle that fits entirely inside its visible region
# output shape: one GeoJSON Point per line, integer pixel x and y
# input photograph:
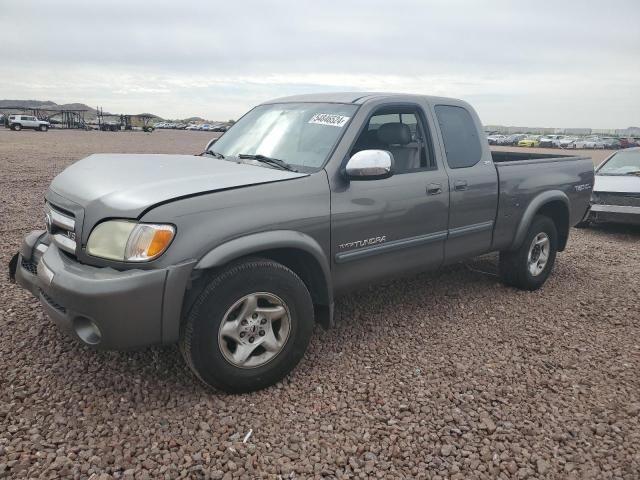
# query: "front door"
{"type": "Point", "coordinates": [381, 228]}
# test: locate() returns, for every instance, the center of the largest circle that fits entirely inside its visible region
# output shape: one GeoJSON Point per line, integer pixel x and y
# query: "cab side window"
{"type": "Point", "coordinates": [460, 136]}
{"type": "Point", "coordinates": [401, 131]}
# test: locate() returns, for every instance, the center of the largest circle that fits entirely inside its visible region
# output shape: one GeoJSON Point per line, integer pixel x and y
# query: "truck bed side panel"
{"type": "Point", "coordinates": [521, 182]}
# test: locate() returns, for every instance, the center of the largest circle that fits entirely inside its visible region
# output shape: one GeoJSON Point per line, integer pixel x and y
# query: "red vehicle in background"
{"type": "Point", "coordinates": [629, 142]}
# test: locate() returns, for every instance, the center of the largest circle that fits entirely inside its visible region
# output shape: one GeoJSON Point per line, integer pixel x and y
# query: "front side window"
{"type": "Point", "coordinates": [400, 131]}
{"type": "Point", "coordinates": [460, 136]}
{"type": "Point", "coordinates": [622, 163]}
{"type": "Point", "coordinates": [301, 134]}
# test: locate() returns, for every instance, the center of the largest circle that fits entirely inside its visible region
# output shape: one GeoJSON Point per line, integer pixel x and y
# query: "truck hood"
{"type": "Point", "coordinates": [617, 184]}
{"type": "Point", "coordinates": [126, 185]}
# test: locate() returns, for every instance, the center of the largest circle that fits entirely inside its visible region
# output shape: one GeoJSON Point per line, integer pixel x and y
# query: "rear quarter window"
{"type": "Point", "coordinates": [460, 136]}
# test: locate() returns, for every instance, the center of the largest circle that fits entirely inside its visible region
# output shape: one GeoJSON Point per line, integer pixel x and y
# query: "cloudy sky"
{"type": "Point", "coordinates": [535, 62]}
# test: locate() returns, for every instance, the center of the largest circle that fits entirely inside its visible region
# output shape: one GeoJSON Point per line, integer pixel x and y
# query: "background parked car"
{"type": "Point", "coordinates": [611, 143]}
{"type": "Point", "coordinates": [567, 142]}
{"type": "Point", "coordinates": [616, 190]}
{"type": "Point", "coordinates": [531, 141]}
{"type": "Point", "coordinates": [589, 142]}
{"type": "Point", "coordinates": [629, 143]}
{"type": "Point", "coordinates": [551, 141]}
{"type": "Point", "coordinates": [495, 139]}
{"type": "Point", "coordinates": [514, 138]}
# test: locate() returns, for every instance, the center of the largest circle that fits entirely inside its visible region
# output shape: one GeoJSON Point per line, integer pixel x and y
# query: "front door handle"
{"type": "Point", "coordinates": [434, 189]}
{"type": "Point", "coordinates": [460, 185]}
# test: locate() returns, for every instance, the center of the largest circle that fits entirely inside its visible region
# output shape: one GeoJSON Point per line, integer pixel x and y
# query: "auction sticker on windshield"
{"type": "Point", "coordinates": [329, 119]}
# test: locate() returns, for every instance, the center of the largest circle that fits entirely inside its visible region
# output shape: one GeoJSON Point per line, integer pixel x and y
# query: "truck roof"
{"type": "Point", "coordinates": [358, 97]}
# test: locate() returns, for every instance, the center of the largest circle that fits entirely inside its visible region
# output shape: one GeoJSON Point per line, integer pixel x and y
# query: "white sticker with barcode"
{"type": "Point", "coordinates": [329, 119]}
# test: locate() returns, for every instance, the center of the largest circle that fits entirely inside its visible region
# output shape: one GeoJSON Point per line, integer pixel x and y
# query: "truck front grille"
{"type": "Point", "coordinates": [61, 224]}
{"type": "Point", "coordinates": [620, 199]}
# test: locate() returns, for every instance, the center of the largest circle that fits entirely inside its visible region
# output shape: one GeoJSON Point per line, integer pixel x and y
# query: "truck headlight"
{"type": "Point", "coordinates": [129, 241]}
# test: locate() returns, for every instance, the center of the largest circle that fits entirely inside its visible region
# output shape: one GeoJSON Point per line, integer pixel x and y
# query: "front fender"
{"type": "Point", "coordinates": [272, 240]}
{"type": "Point", "coordinates": [534, 207]}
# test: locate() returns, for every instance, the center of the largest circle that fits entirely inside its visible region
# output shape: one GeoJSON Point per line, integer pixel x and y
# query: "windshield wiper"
{"type": "Point", "coordinates": [271, 161]}
{"type": "Point", "coordinates": [213, 154]}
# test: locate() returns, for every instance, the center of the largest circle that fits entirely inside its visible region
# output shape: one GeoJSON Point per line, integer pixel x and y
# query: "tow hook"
{"type": "Point", "coordinates": [13, 266]}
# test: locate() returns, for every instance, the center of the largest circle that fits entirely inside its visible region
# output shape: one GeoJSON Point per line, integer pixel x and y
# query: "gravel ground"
{"type": "Point", "coordinates": [447, 375]}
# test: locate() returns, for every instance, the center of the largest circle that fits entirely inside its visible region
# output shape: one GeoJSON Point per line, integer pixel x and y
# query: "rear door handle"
{"type": "Point", "coordinates": [460, 185]}
{"type": "Point", "coordinates": [434, 189]}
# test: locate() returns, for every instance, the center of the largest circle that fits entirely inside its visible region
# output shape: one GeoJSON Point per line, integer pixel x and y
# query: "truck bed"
{"type": "Point", "coordinates": [524, 176]}
{"type": "Point", "coordinates": [501, 156]}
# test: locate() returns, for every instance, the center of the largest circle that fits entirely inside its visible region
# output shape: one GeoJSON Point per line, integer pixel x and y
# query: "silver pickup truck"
{"type": "Point", "coordinates": [236, 253]}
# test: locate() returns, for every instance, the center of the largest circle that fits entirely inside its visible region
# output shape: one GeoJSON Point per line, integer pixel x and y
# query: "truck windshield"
{"type": "Point", "coordinates": [301, 134]}
{"type": "Point", "coordinates": [622, 163]}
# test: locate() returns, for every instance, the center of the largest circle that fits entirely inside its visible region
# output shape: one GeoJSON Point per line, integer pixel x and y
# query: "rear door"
{"type": "Point", "coordinates": [473, 182]}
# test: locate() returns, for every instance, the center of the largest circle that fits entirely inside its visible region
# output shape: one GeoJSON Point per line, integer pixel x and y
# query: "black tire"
{"type": "Point", "coordinates": [514, 265]}
{"type": "Point", "coordinates": [44, 128]}
{"type": "Point", "coordinates": [17, 127]}
{"type": "Point", "coordinates": [199, 336]}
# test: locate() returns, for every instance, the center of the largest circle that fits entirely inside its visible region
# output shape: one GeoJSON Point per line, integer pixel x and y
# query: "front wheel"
{"type": "Point", "coordinates": [44, 128]}
{"type": "Point", "coordinates": [529, 266]}
{"type": "Point", "coordinates": [249, 327]}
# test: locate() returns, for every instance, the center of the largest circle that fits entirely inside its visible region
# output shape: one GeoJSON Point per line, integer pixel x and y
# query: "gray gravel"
{"type": "Point", "coordinates": [447, 375]}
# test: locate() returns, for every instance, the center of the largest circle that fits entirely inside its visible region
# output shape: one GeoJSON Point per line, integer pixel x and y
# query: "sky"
{"type": "Point", "coordinates": [532, 63]}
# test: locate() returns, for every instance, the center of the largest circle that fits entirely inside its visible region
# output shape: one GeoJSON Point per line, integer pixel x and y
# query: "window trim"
{"type": "Point", "coordinates": [420, 114]}
{"type": "Point", "coordinates": [444, 145]}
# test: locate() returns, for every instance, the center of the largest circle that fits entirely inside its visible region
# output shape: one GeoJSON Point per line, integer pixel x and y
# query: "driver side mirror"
{"type": "Point", "coordinates": [370, 165]}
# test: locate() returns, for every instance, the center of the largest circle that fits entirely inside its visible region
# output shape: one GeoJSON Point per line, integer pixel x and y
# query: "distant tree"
{"type": "Point", "coordinates": [231, 122]}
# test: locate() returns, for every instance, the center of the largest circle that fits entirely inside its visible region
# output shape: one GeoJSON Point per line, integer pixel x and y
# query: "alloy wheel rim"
{"type": "Point", "coordinates": [538, 256]}
{"type": "Point", "coordinates": [254, 330]}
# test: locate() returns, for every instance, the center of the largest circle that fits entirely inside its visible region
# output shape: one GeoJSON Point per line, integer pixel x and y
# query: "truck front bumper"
{"type": "Point", "coordinates": [103, 307]}
{"type": "Point", "coordinates": [614, 214]}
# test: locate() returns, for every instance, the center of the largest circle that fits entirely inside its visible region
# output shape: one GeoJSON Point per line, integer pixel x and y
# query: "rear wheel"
{"type": "Point", "coordinates": [249, 327]}
{"type": "Point", "coordinates": [17, 127]}
{"type": "Point", "coordinates": [529, 266]}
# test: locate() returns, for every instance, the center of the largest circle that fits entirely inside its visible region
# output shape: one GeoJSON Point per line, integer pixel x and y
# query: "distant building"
{"type": "Point", "coordinates": [577, 131]}
{"type": "Point", "coordinates": [629, 132]}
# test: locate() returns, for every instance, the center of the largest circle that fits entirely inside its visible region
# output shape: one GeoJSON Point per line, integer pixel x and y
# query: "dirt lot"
{"type": "Point", "coordinates": [447, 375]}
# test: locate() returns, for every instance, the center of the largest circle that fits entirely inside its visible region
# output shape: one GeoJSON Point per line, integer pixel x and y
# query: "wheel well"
{"type": "Point", "coordinates": [309, 270]}
{"type": "Point", "coordinates": [559, 213]}
{"type": "Point", "coordinates": [302, 263]}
